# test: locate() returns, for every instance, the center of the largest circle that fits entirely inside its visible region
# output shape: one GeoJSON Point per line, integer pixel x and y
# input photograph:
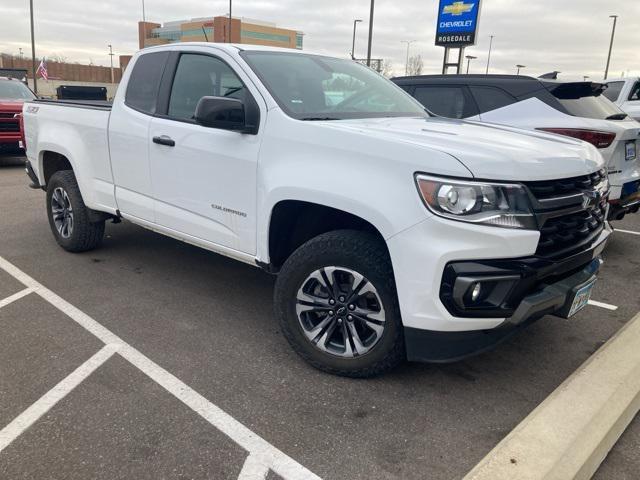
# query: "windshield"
{"type": "Point", "coordinates": [310, 87]}
{"type": "Point", "coordinates": [15, 90]}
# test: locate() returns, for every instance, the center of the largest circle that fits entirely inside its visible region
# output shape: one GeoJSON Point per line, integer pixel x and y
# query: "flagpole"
{"type": "Point", "coordinates": [33, 51]}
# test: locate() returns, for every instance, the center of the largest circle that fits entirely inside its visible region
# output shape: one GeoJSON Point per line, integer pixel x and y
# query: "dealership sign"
{"type": "Point", "coordinates": [457, 23]}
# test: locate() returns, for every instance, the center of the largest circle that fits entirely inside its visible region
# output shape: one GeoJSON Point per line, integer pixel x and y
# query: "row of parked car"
{"type": "Point", "coordinates": [582, 110]}
{"type": "Point", "coordinates": [394, 232]}
{"type": "Point", "coordinates": [603, 114]}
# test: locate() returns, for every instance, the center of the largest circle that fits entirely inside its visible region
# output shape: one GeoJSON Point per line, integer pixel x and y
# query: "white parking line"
{"type": "Point", "coordinates": [17, 296]}
{"type": "Point", "coordinates": [254, 468]}
{"type": "Point", "coordinates": [603, 305]}
{"type": "Point", "coordinates": [27, 418]}
{"type": "Point", "coordinates": [260, 451]}
{"type": "Point", "coordinates": [627, 231]}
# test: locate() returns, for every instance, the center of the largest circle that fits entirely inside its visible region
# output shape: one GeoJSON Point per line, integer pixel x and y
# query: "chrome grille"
{"type": "Point", "coordinates": [554, 188]}
{"type": "Point", "coordinates": [571, 212]}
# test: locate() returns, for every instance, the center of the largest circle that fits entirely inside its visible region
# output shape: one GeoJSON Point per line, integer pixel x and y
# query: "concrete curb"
{"type": "Point", "coordinates": [571, 432]}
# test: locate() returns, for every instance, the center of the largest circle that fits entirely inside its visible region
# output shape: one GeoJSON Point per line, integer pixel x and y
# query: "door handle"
{"type": "Point", "coordinates": [164, 140]}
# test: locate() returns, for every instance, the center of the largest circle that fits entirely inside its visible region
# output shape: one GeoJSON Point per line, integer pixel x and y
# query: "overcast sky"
{"type": "Point", "coordinates": [567, 35]}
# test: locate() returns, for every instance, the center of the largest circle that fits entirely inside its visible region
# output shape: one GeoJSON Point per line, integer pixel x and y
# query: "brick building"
{"type": "Point", "coordinates": [65, 71]}
{"type": "Point", "coordinates": [216, 29]}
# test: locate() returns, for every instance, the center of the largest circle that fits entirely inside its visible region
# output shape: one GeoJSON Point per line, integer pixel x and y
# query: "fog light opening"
{"type": "Point", "coordinates": [476, 291]}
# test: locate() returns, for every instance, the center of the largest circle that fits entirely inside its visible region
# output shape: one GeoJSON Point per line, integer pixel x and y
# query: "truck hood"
{"type": "Point", "coordinates": [14, 106]}
{"type": "Point", "coordinates": [491, 152]}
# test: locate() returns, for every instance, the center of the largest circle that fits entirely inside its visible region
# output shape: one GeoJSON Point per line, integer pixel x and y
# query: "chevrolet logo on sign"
{"type": "Point", "coordinates": [457, 22]}
{"type": "Point", "coordinates": [458, 8]}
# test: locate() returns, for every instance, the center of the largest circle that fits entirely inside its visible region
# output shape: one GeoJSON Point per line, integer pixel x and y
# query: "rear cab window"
{"type": "Point", "coordinates": [144, 82]}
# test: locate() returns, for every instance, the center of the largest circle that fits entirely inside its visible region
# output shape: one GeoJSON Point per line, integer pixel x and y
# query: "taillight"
{"type": "Point", "coordinates": [594, 137]}
{"type": "Point", "coordinates": [22, 137]}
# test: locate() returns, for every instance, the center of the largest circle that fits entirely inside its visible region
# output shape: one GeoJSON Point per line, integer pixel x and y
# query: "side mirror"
{"type": "Point", "coordinates": [224, 113]}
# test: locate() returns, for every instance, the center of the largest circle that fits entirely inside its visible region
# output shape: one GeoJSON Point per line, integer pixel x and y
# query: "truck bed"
{"type": "Point", "coordinates": [97, 104]}
{"type": "Point", "coordinates": [78, 131]}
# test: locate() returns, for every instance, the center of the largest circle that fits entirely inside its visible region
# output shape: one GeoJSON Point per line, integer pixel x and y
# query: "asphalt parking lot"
{"type": "Point", "coordinates": [192, 332]}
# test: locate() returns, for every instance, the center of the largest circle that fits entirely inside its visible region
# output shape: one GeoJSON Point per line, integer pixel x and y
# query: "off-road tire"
{"type": "Point", "coordinates": [85, 235]}
{"type": "Point", "coordinates": [366, 254]}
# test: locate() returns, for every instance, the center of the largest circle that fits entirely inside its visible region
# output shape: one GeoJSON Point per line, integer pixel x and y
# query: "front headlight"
{"type": "Point", "coordinates": [497, 204]}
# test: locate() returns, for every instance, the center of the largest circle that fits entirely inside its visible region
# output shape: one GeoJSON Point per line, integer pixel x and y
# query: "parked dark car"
{"type": "Point", "coordinates": [575, 109]}
{"type": "Point", "coordinates": [464, 96]}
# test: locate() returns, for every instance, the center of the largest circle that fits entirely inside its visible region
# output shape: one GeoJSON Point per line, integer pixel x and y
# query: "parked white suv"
{"type": "Point", "coordinates": [575, 109]}
{"type": "Point", "coordinates": [393, 234]}
{"type": "Point", "coordinates": [625, 92]}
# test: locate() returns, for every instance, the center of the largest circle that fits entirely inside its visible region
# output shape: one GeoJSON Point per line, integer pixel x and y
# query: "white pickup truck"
{"type": "Point", "coordinates": [394, 234]}
{"type": "Point", "coordinates": [625, 92]}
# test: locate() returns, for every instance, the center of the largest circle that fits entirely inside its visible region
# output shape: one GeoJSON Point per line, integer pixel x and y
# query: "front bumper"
{"type": "Point", "coordinates": [10, 140]}
{"type": "Point", "coordinates": [428, 256]}
{"type": "Point", "coordinates": [505, 285]}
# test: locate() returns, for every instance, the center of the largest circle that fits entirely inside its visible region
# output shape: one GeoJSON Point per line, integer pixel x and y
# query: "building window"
{"type": "Point", "coordinates": [170, 35]}
{"type": "Point", "coordinates": [265, 36]}
{"type": "Point", "coordinates": [299, 37]}
{"type": "Point", "coordinates": [195, 32]}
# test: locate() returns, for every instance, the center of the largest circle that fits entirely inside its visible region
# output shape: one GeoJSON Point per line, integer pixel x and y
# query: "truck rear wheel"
{"type": "Point", "coordinates": [336, 301]}
{"type": "Point", "coordinates": [69, 216]}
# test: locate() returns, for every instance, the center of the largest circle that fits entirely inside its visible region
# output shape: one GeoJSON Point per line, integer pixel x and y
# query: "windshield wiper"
{"type": "Point", "coordinates": [617, 116]}
{"type": "Point", "coordinates": [318, 119]}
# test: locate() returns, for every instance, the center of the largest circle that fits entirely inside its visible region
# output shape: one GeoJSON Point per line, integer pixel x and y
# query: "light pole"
{"type": "Point", "coordinates": [33, 51]}
{"type": "Point", "coordinates": [584, 78]}
{"type": "Point", "coordinates": [469, 58]}
{"type": "Point", "coordinates": [613, 34]}
{"type": "Point", "coordinates": [21, 53]}
{"type": "Point", "coordinates": [353, 45]}
{"type": "Point", "coordinates": [406, 65]}
{"type": "Point", "coordinates": [111, 56]}
{"type": "Point", "coordinates": [519, 67]}
{"type": "Point", "coordinates": [370, 33]}
{"type": "Point", "coordinates": [230, 6]}
{"type": "Point", "coordinates": [144, 26]}
{"type": "Point", "coordinates": [489, 57]}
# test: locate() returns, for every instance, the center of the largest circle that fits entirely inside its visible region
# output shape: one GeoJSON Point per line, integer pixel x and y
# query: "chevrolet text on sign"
{"type": "Point", "coordinates": [457, 23]}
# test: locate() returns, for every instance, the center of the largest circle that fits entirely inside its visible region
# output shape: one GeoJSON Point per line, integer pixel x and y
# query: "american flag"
{"type": "Point", "coordinates": [42, 69]}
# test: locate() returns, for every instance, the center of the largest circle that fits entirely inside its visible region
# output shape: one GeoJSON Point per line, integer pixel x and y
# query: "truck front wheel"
{"type": "Point", "coordinates": [337, 304]}
{"type": "Point", "coordinates": [69, 216]}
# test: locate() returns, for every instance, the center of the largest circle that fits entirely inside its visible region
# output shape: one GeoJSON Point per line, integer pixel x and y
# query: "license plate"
{"type": "Point", "coordinates": [581, 299]}
{"type": "Point", "coordinates": [631, 151]}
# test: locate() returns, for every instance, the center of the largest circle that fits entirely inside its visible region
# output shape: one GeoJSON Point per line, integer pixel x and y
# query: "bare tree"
{"type": "Point", "coordinates": [386, 68]}
{"type": "Point", "coordinates": [56, 57]}
{"type": "Point", "coordinates": [415, 66]}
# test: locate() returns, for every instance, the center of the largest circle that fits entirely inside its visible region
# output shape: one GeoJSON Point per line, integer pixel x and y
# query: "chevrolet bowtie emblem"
{"type": "Point", "coordinates": [458, 8]}
{"type": "Point", "coordinates": [590, 198]}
